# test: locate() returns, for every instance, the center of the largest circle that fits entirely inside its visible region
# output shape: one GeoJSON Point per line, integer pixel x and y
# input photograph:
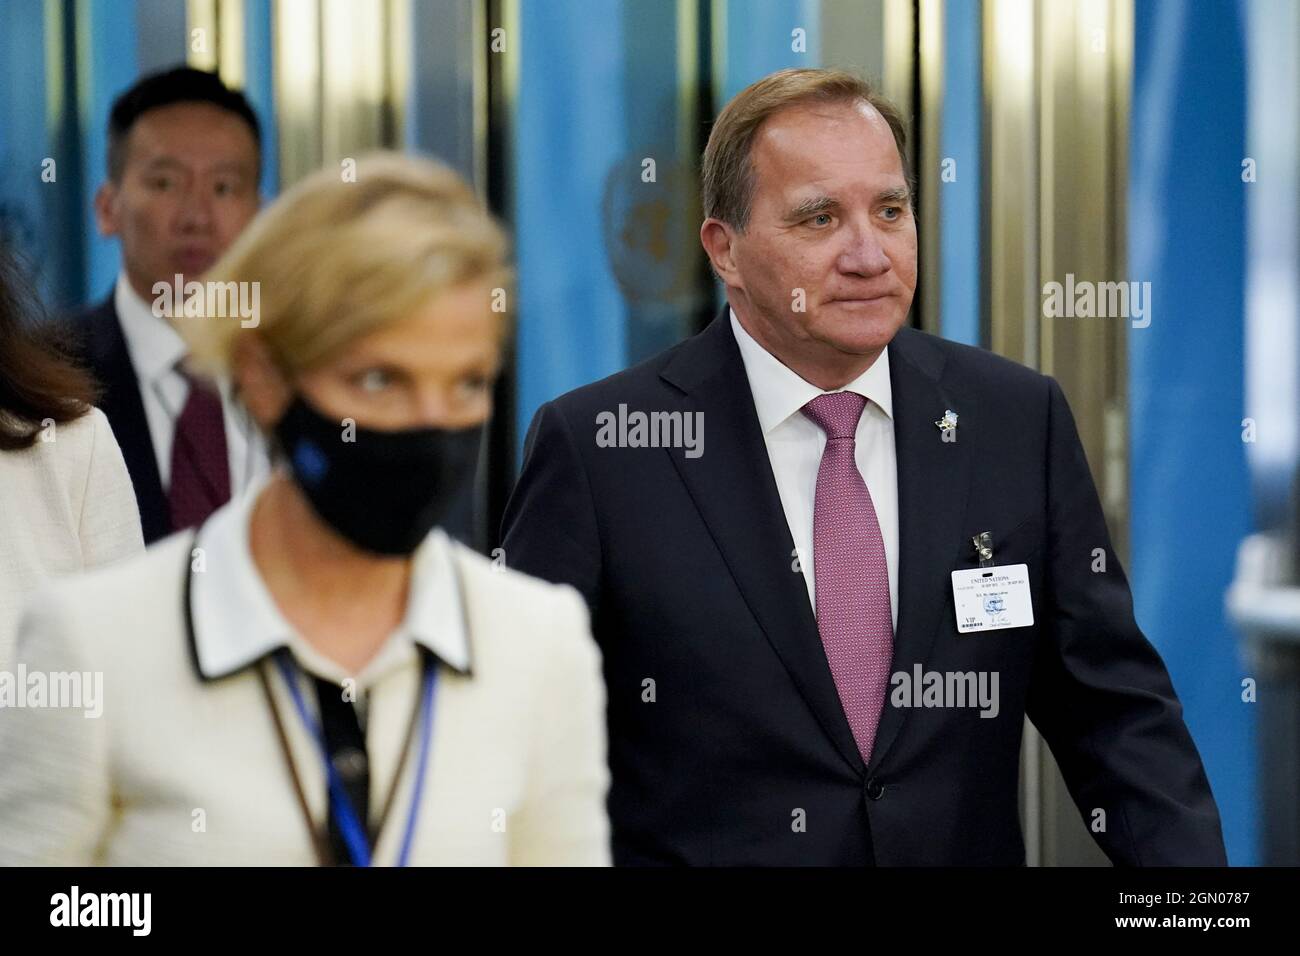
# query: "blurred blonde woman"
{"type": "Point", "coordinates": [320, 675]}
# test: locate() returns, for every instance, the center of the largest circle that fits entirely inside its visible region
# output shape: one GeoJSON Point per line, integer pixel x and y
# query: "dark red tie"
{"type": "Point", "coordinates": [200, 480]}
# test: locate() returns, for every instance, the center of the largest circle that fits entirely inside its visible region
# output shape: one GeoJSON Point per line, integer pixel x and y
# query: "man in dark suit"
{"type": "Point", "coordinates": [792, 676]}
{"type": "Point", "coordinates": [183, 167]}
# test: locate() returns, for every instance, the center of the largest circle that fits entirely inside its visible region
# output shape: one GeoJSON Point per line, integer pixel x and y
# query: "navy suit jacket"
{"type": "Point", "coordinates": [102, 345]}
{"type": "Point", "coordinates": [739, 751]}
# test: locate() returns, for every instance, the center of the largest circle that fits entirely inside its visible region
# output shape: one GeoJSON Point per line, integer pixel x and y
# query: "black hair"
{"type": "Point", "coordinates": [182, 84]}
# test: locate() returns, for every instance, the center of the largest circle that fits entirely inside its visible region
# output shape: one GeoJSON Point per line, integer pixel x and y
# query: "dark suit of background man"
{"type": "Point", "coordinates": [183, 167]}
{"type": "Point", "coordinates": [751, 715]}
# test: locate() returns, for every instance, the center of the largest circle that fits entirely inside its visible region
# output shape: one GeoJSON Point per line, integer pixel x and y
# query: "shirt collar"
{"type": "Point", "coordinates": [779, 392]}
{"type": "Point", "coordinates": [154, 346]}
{"type": "Point", "coordinates": [234, 620]}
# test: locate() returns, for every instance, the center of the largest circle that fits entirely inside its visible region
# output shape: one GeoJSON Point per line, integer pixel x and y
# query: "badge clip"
{"type": "Point", "coordinates": [984, 548]}
{"type": "Point", "coordinates": [948, 425]}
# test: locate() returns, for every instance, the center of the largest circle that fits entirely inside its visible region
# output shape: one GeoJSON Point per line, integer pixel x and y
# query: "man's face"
{"type": "Point", "coordinates": [188, 188]}
{"type": "Point", "coordinates": [830, 216]}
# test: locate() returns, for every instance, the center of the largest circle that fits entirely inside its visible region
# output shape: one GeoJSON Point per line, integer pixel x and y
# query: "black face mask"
{"type": "Point", "coordinates": [385, 490]}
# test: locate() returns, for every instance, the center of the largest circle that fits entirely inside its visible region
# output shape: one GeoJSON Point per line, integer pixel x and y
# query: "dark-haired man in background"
{"type": "Point", "coordinates": [184, 157]}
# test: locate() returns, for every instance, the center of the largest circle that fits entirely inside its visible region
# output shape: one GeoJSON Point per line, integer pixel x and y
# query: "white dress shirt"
{"type": "Point", "coordinates": [155, 349]}
{"type": "Point", "coordinates": [183, 765]}
{"type": "Point", "coordinates": [795, 444]}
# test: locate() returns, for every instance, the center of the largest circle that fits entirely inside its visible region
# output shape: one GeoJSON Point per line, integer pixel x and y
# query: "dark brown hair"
{"type": "Point", "coordinates": [727, 180]}
{"type": "Point", "coordinates": [39, 379]}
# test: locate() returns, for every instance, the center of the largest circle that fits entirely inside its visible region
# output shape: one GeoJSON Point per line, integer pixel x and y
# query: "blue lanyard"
{"type": "Point", "coordinates": [352, 829]}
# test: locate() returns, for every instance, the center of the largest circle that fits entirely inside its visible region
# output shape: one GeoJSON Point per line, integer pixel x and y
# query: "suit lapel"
{"type": "Point", "coordinates": [733, 487]}
{"type": "Point", "coordinates": [122, 403]}
{"type": "Point", "coordinates": [933, 485]}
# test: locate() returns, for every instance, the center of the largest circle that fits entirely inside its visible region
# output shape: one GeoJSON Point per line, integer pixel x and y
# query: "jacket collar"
{"type": "Point", "coordinates": [234, 622]}
{"type": "Point", "coordinates": [779, 391]}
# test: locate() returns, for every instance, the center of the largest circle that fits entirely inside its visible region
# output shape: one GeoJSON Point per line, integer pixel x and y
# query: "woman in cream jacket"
{"type": "Point", "coordinates": [320, 675]}
{"type": "Point", "coordinates": [66, 502]}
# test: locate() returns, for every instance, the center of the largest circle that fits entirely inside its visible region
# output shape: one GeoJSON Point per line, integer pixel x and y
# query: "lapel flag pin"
{"type": "Point", "coordinates": [949, 421]}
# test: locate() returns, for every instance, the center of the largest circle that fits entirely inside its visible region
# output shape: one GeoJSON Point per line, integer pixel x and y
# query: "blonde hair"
{"type": "Point", "coordinates": [727, 179]}
{"type": "Point", "coordinates": [336, 260]}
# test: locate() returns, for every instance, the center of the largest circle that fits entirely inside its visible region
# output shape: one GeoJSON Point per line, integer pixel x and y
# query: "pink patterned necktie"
{"type": "Point", "coordinates": [200, 476]}
{"type": "Point", "coordinates": [852, 579]}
